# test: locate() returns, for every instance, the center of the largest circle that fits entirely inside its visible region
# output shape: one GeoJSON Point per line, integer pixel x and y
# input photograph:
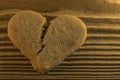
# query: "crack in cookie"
{"type": "Point", "coordinates": [44, 31]}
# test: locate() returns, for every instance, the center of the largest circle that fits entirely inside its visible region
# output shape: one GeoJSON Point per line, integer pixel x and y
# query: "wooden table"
{"type": "Point", "coordinates": [97, 59]}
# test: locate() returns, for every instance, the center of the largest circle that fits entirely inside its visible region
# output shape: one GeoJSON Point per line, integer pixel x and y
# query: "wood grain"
{"type": "Point", "coordinates": [98, 58]}
{"type": "Point", "coordinates": [85, 6]}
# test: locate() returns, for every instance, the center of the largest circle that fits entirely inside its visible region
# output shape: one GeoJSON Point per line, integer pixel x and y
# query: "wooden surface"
{"type": "Point", "coordinates": [97, 59]}
{"type": "Point", "coordinates": [91, 6]}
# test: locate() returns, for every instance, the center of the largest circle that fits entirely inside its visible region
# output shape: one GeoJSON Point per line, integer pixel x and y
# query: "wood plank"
{"type": "Point", "coordinates": [98, 58]}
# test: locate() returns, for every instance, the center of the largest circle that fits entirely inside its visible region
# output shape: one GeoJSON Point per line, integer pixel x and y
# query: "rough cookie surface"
{"type": "Point", "coordinates": [24, 30]}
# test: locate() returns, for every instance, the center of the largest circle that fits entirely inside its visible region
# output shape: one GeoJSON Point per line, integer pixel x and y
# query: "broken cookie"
{"type": "Point", "coordinates": [46, 46]}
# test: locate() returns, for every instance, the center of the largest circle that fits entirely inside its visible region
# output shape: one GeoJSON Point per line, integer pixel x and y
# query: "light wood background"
{"type": "Point", "coordinates": [97, 59]}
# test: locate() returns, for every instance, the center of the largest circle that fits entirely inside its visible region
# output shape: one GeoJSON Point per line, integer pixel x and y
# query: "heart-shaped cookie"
{"type": "Point", "coordinates": [46, 46]}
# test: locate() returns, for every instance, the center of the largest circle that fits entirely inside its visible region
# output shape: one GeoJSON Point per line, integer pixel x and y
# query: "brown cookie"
{"type": "Point", "coordinates": [46, 46]}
